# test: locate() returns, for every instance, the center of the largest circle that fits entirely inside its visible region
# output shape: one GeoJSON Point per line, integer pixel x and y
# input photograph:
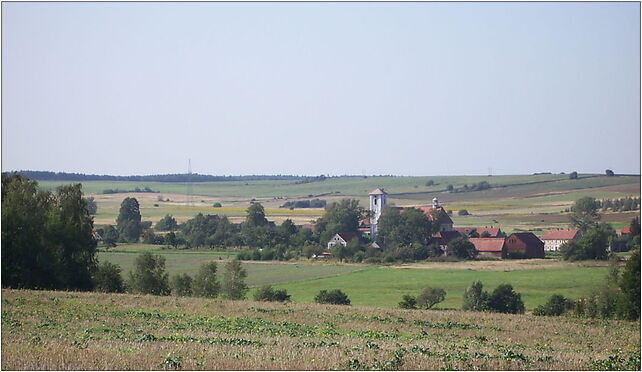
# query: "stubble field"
{"type": "Point", "coordinates": [80, 331]}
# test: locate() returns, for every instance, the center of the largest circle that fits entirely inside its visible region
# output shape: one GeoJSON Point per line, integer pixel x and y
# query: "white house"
{"type": "Point", "coordinates": [341, 238]}
{"type": "Point", "coordinates": [554, 238]}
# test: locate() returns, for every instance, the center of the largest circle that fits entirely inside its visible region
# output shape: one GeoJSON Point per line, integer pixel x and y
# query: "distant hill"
{"type": "Point", "coordinates": [194, 177]}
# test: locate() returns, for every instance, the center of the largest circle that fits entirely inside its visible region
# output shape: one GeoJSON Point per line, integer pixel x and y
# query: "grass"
{"type": "Point", "coordinates": [368, 285]}
{"type": "Point", "coordinates": [381, 286]}
{"type": "Point", "coordinates": [91, 331]}
{"type": "Point", "coordinates": [259, 273]}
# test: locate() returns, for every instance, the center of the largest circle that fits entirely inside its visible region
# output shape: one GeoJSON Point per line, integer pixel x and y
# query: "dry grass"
{"type": "Point", "coordinates": [70, 331]}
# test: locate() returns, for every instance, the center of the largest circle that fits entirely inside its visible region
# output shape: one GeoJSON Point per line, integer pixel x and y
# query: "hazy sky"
{"type": "Point", "coordinates": [311, 88]}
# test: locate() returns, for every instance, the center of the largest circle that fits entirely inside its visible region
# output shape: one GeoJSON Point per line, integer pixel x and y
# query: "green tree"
{"type": "Point", "coordinates": [635, 226]}
{"type": "Point", "coordinates": [462, 248]}
{"type": "Point", "coordinates": [149, 276]}
{"type": "Point", "coordinates": [92, 207]}
{"type": "Point", "coordinates": [404, 228]}
{"type": "Point", "coordinates": [430, 297]}
{"type": "Point", "coordinates": [339, 217]}
{"type": "Point", "coordinates": [267, 293]}
{"type": "Point", "coordinates": [584, 213]}
{"type": "Point", "coordinates": [593, 245]}
{"type": "Point", "coordinates": [107, 278]}
{"type": "Point", "coordinates": [110, 236]}
{"type": "Point", "coordinates": [206, 282]}
{"type": "Point", "coordinates": [505, 300]}
{"type": "Point", "coordinates": [333, 297]}
{"type": "Point", "coordinates": [609, 173]}
{"type": "Point", "coordinates": [475, 298]}
{"type": "Point", "coordinates": [256, 215]}
{"type": "Point", "coordinates": [233, 286]}
{"type": "Point", "coordinates": [47, 238]}
{"type": "Point", "coordinates": [630, 285]}
{"type": "Point", "coordinates": [128, 221]}
{"type": "Point", "coordinates": [167, 223]}
{"type": "Point", "coordinates": [181, 285]}
{"type": "Point", "coordinates": [572, 175]}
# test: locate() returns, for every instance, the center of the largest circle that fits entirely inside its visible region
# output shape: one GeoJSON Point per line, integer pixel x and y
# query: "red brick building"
{"type": "Point", "coordinates": [524, 245]}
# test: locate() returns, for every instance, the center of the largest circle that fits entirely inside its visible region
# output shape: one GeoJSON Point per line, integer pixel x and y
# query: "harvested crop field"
{"type": "Point", "coordinates": [67, 331]}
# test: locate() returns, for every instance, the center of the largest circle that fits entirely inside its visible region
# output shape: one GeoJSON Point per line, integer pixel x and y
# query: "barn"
{"type": "Point", "coordinates": [490, 247]}
{"type": "Point", "coordinates": [524, 245]}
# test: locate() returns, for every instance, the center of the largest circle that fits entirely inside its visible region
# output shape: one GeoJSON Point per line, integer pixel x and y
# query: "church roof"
{"type": "Point", "coordinates": [442, 214]}
{"type": "Point", "coordinates": [378, 191]}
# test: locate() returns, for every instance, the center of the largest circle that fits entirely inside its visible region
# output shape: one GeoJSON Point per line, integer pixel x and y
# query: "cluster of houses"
{"type": "Point", "coordinates": [489, 241]}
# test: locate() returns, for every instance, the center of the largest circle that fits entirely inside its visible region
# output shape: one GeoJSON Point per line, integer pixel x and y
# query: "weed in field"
{"type": "Point", "coordinates": [617, 362]}
{"type": "Point", "coordinates": [171, 362]}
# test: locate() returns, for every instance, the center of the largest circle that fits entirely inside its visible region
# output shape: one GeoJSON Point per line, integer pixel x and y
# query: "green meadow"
{"type": "Point", "coordinates": [384, 287]}
{"type": "Point", "coordinates": [381, 286]}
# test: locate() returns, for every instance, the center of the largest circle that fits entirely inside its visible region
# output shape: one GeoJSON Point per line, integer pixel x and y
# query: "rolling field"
{"type": "Point", "coordinates": [43, 330]}
{"type": "Point", "coordinates": [516, 202]}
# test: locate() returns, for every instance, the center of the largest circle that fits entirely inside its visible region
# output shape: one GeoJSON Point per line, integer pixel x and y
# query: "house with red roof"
{"type": "Point", "coordinates": [626, 230]}
{"type": "Point", "coordinates": [490, 247]}
{"type": "Point", "coordinates": [524, 245]}
{"type": "Point", "coordinates": [553, 239]}
{"type": "Point", "coordinates": [473, 232]}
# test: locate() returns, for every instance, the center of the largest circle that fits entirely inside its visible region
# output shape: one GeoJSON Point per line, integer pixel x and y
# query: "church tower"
{"type": "Point", "coordinates": [378, 200]}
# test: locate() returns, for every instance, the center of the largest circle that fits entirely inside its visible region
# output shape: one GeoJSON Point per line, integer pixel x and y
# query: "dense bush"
{"type": "Point", "coordinates": [333, 297]}
{"type": "Point", "coordinates": [505, 300]}
{"type": "Point", "coordinates": [181, 285]}
{"type": "Point", "coordinates": [556, 305]}
{"type": "Point", "coordinates": [107, 278]}
{"type": "Point", "coordinates": [267, 293]}
{"type": "Point", "coordinates": [205, 282]}
{"type": "Point", "coordinates": [463, 212]}
{"type": "Point", "coordinates": [408, 302]}
{"type": "Point", "coordinates": [149, 276]}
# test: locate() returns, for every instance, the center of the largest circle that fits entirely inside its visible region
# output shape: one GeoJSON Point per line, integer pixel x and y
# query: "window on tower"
{"type": "Point", "coordinates": [375, 202]}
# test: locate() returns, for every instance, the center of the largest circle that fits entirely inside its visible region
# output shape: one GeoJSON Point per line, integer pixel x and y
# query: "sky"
{"type": "Point", "coordinates": [321, 88]}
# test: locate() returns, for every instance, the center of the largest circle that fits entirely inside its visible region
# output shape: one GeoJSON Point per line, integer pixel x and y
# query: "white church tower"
{"type": "Point", "coordinates": [378, 200]}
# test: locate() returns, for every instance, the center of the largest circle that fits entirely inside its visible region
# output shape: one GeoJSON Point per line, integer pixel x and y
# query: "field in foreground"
{"type": "Point", "coordinates": [67, 331]}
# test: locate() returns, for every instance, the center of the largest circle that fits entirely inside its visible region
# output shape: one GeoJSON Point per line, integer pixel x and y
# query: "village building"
{"type": "Point", "coordinates": [626, 230]}
{"type": "Point", "coordinates": [477, 232]}
{"type": "Point", "coordinates": [437, 213]}
{"type": "Point", "coordinates": [553, 239]}
{"type": "Point", "coordinates": [444, 237]}
{"type": "Point", "coordinates": [341, 238]}
{"type": "Point", "coordinates": [524, 245]}
{"type": "Point", "coordinates": [490, 247]}
{"type": "Point", "coordinates": [493, 232]}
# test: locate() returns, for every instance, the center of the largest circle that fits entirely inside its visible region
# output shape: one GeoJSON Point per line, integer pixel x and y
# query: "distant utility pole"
{"type": "Point", "coordinates": [490, 171]}
{"type": "Point", "coordinates": [190, 191]}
